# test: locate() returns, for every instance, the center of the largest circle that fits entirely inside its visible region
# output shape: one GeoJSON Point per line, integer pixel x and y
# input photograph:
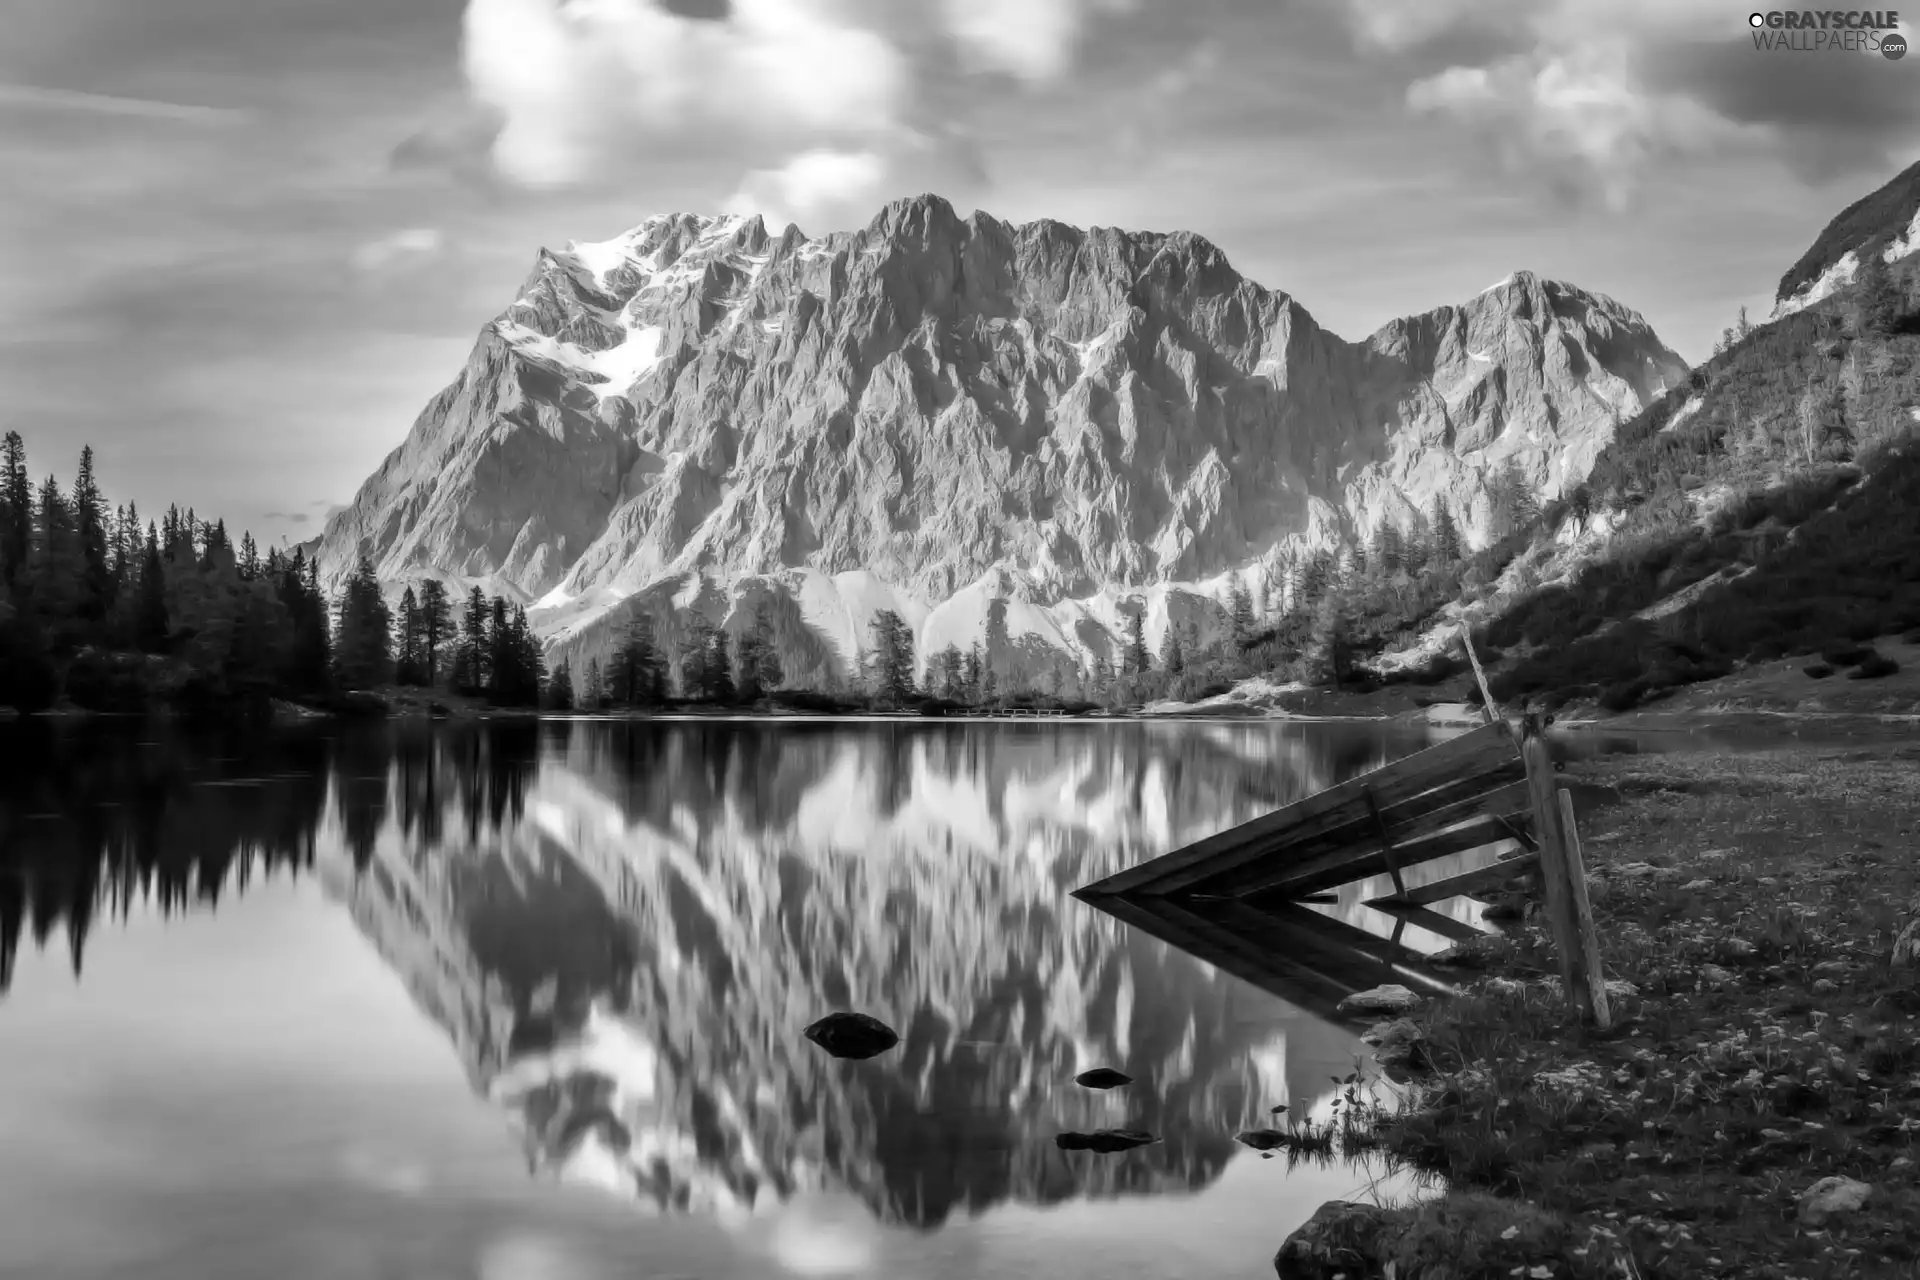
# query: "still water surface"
{"type": "Point", "coordinates": [525, 1001]}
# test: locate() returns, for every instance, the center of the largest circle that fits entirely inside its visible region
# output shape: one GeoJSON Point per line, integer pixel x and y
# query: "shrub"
{"type": "Point", "coordinates": [1847, 655]}
{"type": "Point", "coordinates": [1624, 696]}
{"type": "Point", "coordinates": [1873, 668]}
{"type": "Point", "coordinates": [1818, 670]}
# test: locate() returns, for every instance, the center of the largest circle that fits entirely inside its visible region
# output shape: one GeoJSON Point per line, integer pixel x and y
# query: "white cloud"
{"type": "Point", "coordinates": [414, 242]}
{"type": "Point", "coordinates": [813, 187]}
{"type": "Point", "coordinates": [1034, 40]}
{"type": "Point", "coordinates": [819, 103]}
{"type": "Point", "coordinates": [583, 83]}
{"type": "Point", "coordinates": [1571, 104]}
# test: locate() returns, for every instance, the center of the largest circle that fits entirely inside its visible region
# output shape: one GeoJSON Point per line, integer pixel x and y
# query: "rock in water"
{"type": "Point", "coordinates": [1391, 998]}
{"type": "Point", "coordinates": [852, 1035]}
{"type": "Point", "coordinates": [1104, 1140]}
{"type": "Point", "coordinates": [1262, 1139]}
{"type": "Point", "coordinates": [1103, 1078]}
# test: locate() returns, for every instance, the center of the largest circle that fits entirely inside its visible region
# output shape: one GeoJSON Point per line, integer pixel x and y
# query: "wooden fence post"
{"type": "Point", "coordinates": [1583, 915]}
{"type": "Point", "coordinates": [1578, 979]}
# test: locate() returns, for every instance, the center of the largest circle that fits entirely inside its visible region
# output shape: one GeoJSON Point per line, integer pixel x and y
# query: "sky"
{"type": "Point", "coordinates": [245, 241]}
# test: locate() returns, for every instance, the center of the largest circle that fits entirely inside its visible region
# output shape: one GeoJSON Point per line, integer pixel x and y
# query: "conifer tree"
{"type": "Point", "coordinates": [16, 509]}
{"type": "Point", "coordinates": [1240, 616]}
{"type": "Point", "coordinates": [1446, 534]}
{"type": "Point", "coordinates": [593, 694]}
{"type": "Point", "coordinates": [559, 691]}
{"type": "Point", "coordinates": [436, 629]}
{"type": "Point", "coordinates": [90, 535]}
{"type": "Point", "coordinates": [470, 664]}
{"type": "Point", "coordinates": [363, 652]}
{"type": "Point", "coordinates": [1134, 656]}
{"type": "Point", "coordinates": [408, 665]}
{"type": "Point", "coordinates": [150, 625]}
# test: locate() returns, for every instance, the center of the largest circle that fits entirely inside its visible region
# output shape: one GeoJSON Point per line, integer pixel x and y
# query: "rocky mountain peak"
{"type": "Point", "coordinates": [923, 413]}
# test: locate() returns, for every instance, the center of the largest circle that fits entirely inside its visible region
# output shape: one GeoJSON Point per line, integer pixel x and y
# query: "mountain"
{"type": "Point", "coordinates": [936, 413]}
{"type": "Point", "coordinates": [1886, 221]}
{"type": "Point", "coordinates": [1766, 509]}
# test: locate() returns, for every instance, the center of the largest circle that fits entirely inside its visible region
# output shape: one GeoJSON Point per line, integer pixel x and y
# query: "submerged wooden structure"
{"type": "Point", "coordinates": [1237, 899]}
{"type": "Point", "coordinates": [1462, 794]}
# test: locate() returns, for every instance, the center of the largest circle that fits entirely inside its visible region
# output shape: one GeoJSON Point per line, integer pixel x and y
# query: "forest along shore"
{"type": "Point", "coordinates": [1755, 1109]}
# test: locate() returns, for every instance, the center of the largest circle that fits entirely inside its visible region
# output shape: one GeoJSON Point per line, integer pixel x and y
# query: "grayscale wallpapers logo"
{"type": "Point", "coordinates": [1829, 31]}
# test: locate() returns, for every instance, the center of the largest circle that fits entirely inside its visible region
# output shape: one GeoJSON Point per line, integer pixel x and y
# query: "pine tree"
{"type": "Point", "coordinates": [593, 694]}
{"type": "Point", "coordinates": [973, 675]}
{"type": "Point", "coordinates": [436, 628]}
{"type": "Point", "coordinates": [1878, 303]}
{"type": "Point", "coordinates": [1173, 656]}
{"type": "Point", "coordinates": [363, 653]}
{"type": "Point", "coordinates": [150, 624]}
{"type": "Point", "coordinates": [470, 669]}
{"type": "Point", "coordinates": [90, 534]}
{"type": "Point", "coordinates": [559, 691]}
{"type": "Point", "coordinates": [1134, 657]}
{"type": "Point", "coordinates": [16, 509]}
{"type": "Point", "coordinates": [1446, 535]}
{"type": "Point", "coordinates": [53, 566]}
{"type": "Point", "coordinates": [892, 659]}
{"type": "Point", "coordinates": [1331, 647]}
{"type": "Point", "coordinates": [409, 666]}
{"type": "Point", "coordinates": [756, 663]}
{"type": "Point", "coordinates": [1240, 617]}
{"type": "Point", "coordinates": [249, 557]}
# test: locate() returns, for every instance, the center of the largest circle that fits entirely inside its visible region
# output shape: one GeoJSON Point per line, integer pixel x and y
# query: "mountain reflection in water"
{"type": "Point", "coordinates": [623, 929]}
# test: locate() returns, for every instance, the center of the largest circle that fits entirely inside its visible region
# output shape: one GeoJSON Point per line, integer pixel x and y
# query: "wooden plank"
{"type": "Point", "coordinates": [1583, 916]}
{"type": "Point", "coordinates": [1324, 942]}
{"type": "Point", "coordinates": [1279, 974]}
{"type": "Point", "coordinates": [1435, 810]}
{"type": "Point", "coordinates": [1488, 707]}
{"type": "Point", "coordinates": [1561, 918]}
{"type": "Point", "coordinates": [1327, 872]}
{"type": "Point", "coordinates": [1301, 862]}
{"type": "Point", "coordinates": [1466, 884]}
{"type": "Point", "coordinates": [1386, 845]}
{"type": "Point", "coordinates": [1430, 920]}
{"type": "Point", "coordinates": [1471, 753]}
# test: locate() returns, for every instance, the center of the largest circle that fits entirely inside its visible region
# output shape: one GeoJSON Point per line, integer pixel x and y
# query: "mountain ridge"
{"type": "Point", "coordinates": [1091, 422]}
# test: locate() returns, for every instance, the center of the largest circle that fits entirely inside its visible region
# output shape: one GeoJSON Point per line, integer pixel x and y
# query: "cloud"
{"type": "Point", "coordinates": [810, 185]}
{"type": "Point", "coordinates": [291, 517]}
{"type": "Point", "coordinates": [823, 106]}
{"type": "Point", "coordinates": [414, 243]}
{"type": "Point", "coordinates": [1593, 96]}
{"type": "Point", "coordinates": [579, 86]}
{"type": "Point", "coordinates": [35, 97]}
{"type": "Point", "coordinates": [1032, 40]}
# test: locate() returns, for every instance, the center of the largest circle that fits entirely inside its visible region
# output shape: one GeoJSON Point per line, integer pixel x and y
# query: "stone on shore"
{"type": "Point", "coordinates": [1830, 1198]}
{"type": "Point", "coordinates": [1391, 998]}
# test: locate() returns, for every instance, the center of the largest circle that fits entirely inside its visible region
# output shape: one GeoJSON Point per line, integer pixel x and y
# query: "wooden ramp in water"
{"type": "Point", "coordinates": [1467, 793]}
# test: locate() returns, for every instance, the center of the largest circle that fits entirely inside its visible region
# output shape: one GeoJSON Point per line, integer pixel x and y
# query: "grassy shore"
{"type": "Point", "coordinates": [1754, 902]}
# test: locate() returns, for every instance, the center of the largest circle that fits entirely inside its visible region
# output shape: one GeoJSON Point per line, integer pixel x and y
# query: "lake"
{"type": "Point", "coordinates": [519, 1000]}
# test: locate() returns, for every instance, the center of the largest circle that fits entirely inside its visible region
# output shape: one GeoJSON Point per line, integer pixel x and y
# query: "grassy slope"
{"type": "Point", "coordinates": [1753, 901]}
{"type": "Point", "coordinates": [1784, 549]}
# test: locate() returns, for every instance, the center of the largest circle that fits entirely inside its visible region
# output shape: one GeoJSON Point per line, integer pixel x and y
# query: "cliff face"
{"type": "Point", "coordinates": [935, 412]}
{"type": "Point", "coordinates": [626, 949]}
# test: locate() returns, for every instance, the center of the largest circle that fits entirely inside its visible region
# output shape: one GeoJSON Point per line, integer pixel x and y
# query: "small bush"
{"type": "Point", "coordinates": [1847, 655]}
{"type": "Point", "coordinates": [1873, 668]}
{"type": "Point", "coordinates": [1818, 670]}
{"type": "Point", "coordinates": [1624, 696]}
